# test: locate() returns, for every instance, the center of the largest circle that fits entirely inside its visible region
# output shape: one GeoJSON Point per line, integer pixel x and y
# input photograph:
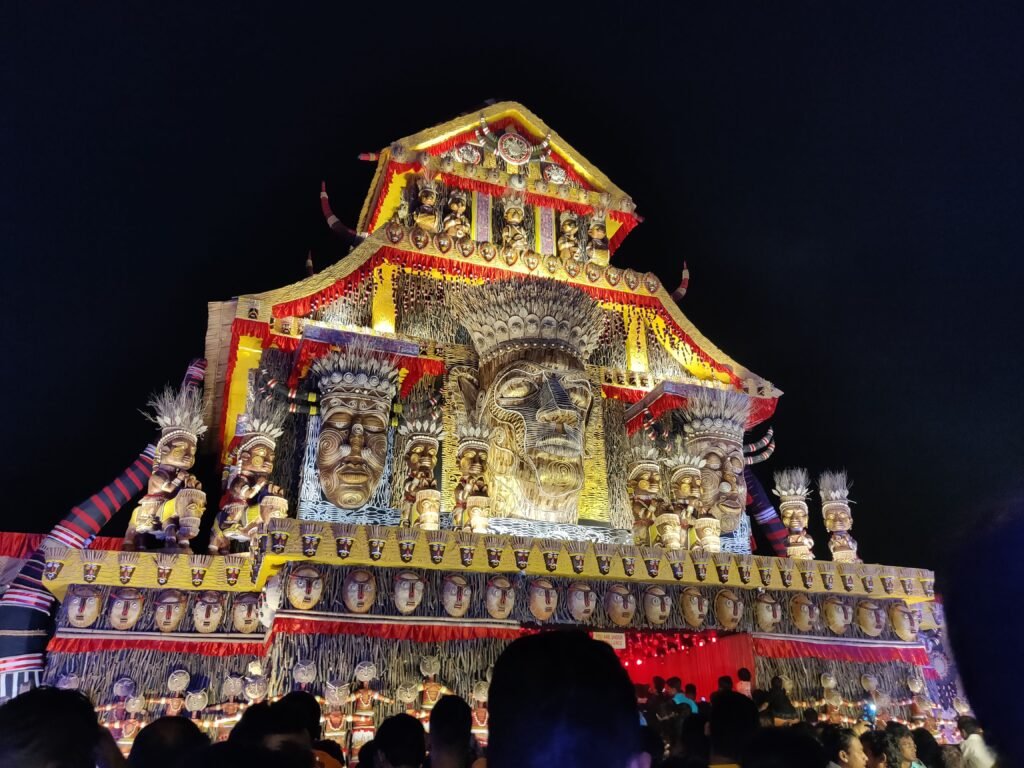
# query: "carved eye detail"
{"type": "Point", "coordinates": [518, 388]}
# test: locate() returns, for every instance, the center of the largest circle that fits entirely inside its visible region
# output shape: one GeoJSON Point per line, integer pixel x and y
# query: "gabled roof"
{"type": "Point", "coordinates": [462, 129]}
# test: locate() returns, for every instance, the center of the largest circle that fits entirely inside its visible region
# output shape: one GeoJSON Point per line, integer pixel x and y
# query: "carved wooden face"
{"type": "Point", "coordinates": [728, 609]}
{"type": "Point", "coordinates": [353, 446]}
{"type": "Point", "coordinates": [208, 612]}
{"type": "Point", "coordinates": [838, 615]}
{"type": "Point", "coordinates": [694, 605]}
{"type": "Point", "coordinates": [305, 587]}
{"type": "Point", "coordinates": [657, 605]}
{"type": "Point", "coordinates": [837, 516]}
{"type": "Point", "coordinates": [501, 598]}
{"type": "Point", "coordinates": [359, 591]}
{"type": "Point", "coordinates": [83, 606]}
{"type": "Point", "coordinates": [421, 456]}
{"type": "Point", "coordinates": [245, 614]}
{"type": "Point", "coordinates": [178, 452]}
{"type": "Point", "coordinates": [170, 610]}
{"type": "Point", "coordinates": [543, 599]}
{"type": "Point", "coordinates": [904, 622]}
{"type": "Point", "coordinates": [472, 461]}
{"type": "Point", "coordinates": [767, 613]}
{"type": "Point", "coordinates": [644, 481]}
{"type": "Point", "coordinates": [803, 612]}
{"type": "Point", "coordinates": [723, 487]}
{"type": "Point", "coordinates": [408, 592]}
{"type": "Point", "coordinates": [259, 459]}
{"type": "Point", "coordinates": [686, 486]}
{"type": "Point", "coordinates": [456, 595]}
{"type": "Point", "coordinates": [125, 608]}
{"type": "Point", "coordinates": [538, 419]}
{"type": "Point", "coordinates": [582, 601]}
{"type": "Point", "coordinates": [620, 605]}
{"type": "Point", "coordinates": [870, 618]}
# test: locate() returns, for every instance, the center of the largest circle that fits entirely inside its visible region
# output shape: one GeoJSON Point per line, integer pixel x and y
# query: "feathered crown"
{"type": "Point", "coordinates": [177, 412]}
{"type": "Point", "coordinates": [683, 461]}
{"type": "Point", "coordinates": [568, 216]}
{"type": "Point", "coordinates": [419, 419]}
{"type": "Point", "coordinates": [512, 200]}
{"type": "Point", "coordinates": [457, 194]}
{"type": "Point", "coordinates": [643, 456]}
{"type": "Point", "coordinates": [473, 436]}
{"type": "Point", "coordinates": [715, 413]}
{"type": "Point", "coordinates": [792, 484]}
{"type": "Point", "coordinates": [353, 370]}
{"type": "Point", "coordinates": [263, 423]}
{"type": "Point", "coordinates": [834, 486]}
{"type": "Point", "coordinates": [516, 315]}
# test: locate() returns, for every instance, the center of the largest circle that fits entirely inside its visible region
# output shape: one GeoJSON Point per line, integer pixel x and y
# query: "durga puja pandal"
{"type": "Point", "coordinates": [471, 427]}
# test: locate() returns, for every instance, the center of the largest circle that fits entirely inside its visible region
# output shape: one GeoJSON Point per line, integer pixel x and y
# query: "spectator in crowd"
{"type": "Point", "coordinates": [952, 757]}
{"type": "Point", "coordinates": [234, 754]}
{"type": "Point", "coordinates": [451, 724]}
{"type": "Point", "coordinates": [843, 748]}
{"type": "Point", "coordinates": [976, 753]}
{"type": "Point", "coordinates": [928, 752]}
{"type": "Point", "coordinates": [905, 743]}
{"type": "Point", "coordinates": [167, 742]}
{"type": "Point", "coordinates": [400, 742]}
{"type": "Point", "coordinates": [585, 715]}
{"type": "Point", "coordinates": [733, 723]}
{"type": "Point", "coordinates": [881, 750]}
{"type": "Point", "coordinates": [725, 683]}
{"type": "Point", "coordinates": [680, 699]}
{"type": "Point", "coordinates": [783, 748]}
{"type": "Point", "coordinates": [302, 707]}
{"type": "Point", "coordinates": [689, 745]}
{"type": "Point", "coordinates": [782, 709]}
{"type": "Point", "coordinates": [861, 727]}
{"type": "Point", "coordinates": [653, 745]}
{"type": "Point", "coordinates": [810, 715]}
{"type": "Point", "coordinates": [367, 756]}
{"type": "Point", "coordinates": [746, 682]}
{"type": "Point", "coordinates": [691, 691]}
{"type": "Point", "coordinates": [52, 728]}
{"type": "Point", "coordinates": [277, 728]}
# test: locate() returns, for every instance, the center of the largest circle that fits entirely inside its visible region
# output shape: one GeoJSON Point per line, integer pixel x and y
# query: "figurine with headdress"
{"type": "Point", "coordinates": [249, 497]}
{"type": "Point", "coordinates": [179, 414]}
{"type": "Point", "coordinates": [643, 484]}
{"type": "Point", "coordinates": [835, 508]}
{"type": "Point", "coordinates": [792, 486]}
{"type": "Point", "coordinates": [421, 428]}
{"type": "Point", "coordinates": [568, 236]}
{"type": "Point", "coordinates": [456, 223]}
{"type": "Point", "coordinates": [426, 215]}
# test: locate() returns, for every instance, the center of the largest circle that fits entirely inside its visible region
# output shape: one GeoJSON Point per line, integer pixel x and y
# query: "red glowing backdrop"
{"type": "Point", "coordinates": [699, 664]}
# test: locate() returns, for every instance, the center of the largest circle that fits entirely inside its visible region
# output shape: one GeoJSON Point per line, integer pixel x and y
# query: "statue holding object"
{"type": "Point", "coordinates": [249, 497]}
{"type": "Point", "coordinates": [835, 508]}
{"type": "Point", "coordinates": [421, 427]}
{"type": "Point", "coordinates": [643, 484]}
{"type": "Point", "coordinates": [792, 486]}
{"type": "Point", "coordinates": [179, 414]}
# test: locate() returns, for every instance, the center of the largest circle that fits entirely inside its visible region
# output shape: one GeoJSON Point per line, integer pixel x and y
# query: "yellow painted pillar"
{"type": "Point", "coordinates": [250, 351]}
{"type": "Point", "coordinates": [384, 311]}
{"type": "Point", "coordinates": [636, 340]}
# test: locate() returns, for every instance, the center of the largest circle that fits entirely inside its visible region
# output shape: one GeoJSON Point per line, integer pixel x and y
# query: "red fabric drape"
{"type": "Point", "coordinates": [700, 666]}
{"type": "Point", "coordinates": [779, 648]}
{"type": "Point", "coordinates": [21, 545]}
{"type": "Point", "coordinates": [168, 645]}
{"type": "Point", "coordinates": [420, 633]}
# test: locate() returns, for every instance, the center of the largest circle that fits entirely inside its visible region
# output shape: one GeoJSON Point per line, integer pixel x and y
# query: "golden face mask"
{"type": "Point", "coordinates": [582, 602]}
{"type": "Point", "coordinates": [657, 605]}
{"type": "Point", "coordinates": [728, 609]}
{"type": "Point", "coordinates": [245, 615]}
{"type": "Point", "coordinates": [83, 606]}
{"type": "Point", "coordinates": [208, 612]}
{"type": "Point", "coordinates": [352, 447]}
{"type": "Point", "coordinates": [694, 606]}
{"type": "Point", "coordinates": [170, 609]}
{"type": "Point", "coordinates": [620, 605]}
{"type": "Point", "coordinates": [305, 587]}
{"type": "Point", "coordinates": [456, 595]}
{"type": "Point", "coordinates": [500, 598]}
{"type": "Point", "coordinates": [125, 608]}
{"type": "Point", "coordinates": [723, 487]}
{"type": "Point", "coordinates": [543, 599]}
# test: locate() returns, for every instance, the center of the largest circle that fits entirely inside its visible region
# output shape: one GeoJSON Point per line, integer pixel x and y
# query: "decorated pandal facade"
{"type": "Point", "coordinates": [471, 427]}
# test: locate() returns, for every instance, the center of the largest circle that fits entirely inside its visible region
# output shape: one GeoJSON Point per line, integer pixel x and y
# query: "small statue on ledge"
{"type": "Point", "coordinates": [792, 486]}
{"type": "Point", "coordinates": [597, 244]}
{"type": "Point", "coordinates": [179, 414]}
{"type": "Point", "coordinates": [456, 223]}
{"type": "Point", "coordinates": [421, 427]}
{"type": "Point", "coordinates": [835, 508]}
{"type": "Point", "coordinates": [568, 236]}
{"type": "Point", "coordinates": [643, 484]}
{"type": "Point", "coordinates": [426, 215]}
{"type": "Point", "coordinates": [249, 497]}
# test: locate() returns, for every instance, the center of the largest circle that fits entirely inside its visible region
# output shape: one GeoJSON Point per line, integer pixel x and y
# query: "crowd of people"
{"type": "Point", "coordinates": [588, 715]}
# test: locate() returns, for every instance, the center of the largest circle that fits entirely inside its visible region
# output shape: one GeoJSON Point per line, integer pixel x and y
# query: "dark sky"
{"type": "Point", "coordinates": [845, 185]}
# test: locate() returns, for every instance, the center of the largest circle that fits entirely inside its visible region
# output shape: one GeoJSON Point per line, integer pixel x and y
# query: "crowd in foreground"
{"type": "Point", "coordinates": [557, 699]}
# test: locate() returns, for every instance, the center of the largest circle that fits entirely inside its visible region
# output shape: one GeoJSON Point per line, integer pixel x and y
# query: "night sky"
{"type": "Point", "coordinates": [845, 186]}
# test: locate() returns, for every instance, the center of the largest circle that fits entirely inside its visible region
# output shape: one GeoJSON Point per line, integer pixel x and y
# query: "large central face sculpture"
{"type": "Point", "coordinates": [538, 417]}
{"type": "Point", "coordinates": [534, 396]}
{"type": "Point", "coordinates": [356, 390]}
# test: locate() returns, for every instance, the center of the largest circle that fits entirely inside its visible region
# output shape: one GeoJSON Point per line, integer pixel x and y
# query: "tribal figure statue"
{"type": "Point", "coordinates": [179, 414]}
{"type": "Point", "coordinates": [249, 497]}
{"type": "Point", "coordinates": [835, 508]}
{"type": "Point", "coordinates": [456, 223]}
{"type": "Point", "coordinates": [356, 388]}
{"type": "Point", "coordinates": [421, 428]}
{"type": "Point", "coordinates": [471, 455]}
{"type": "Point", "coordinates": [533, 338]}
{"type": "Point", "coordinates": [684, 485]}
{"type": "Point", "coordinates": [713, 425]}
{"type": "Point", "coordinates": [792, 486]}
{"type": "Point", "coordinates": [643, 484]}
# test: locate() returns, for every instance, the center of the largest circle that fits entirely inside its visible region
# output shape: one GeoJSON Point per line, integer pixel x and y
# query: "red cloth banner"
{"type": "Point", "coordinates": [164, 645]}
{"type": "Point", "coordinates": [786, 648]}
{"type": "Point", "coordinates": [420, 633]}
{"type": "Point", "coordinates": [21, 545]}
